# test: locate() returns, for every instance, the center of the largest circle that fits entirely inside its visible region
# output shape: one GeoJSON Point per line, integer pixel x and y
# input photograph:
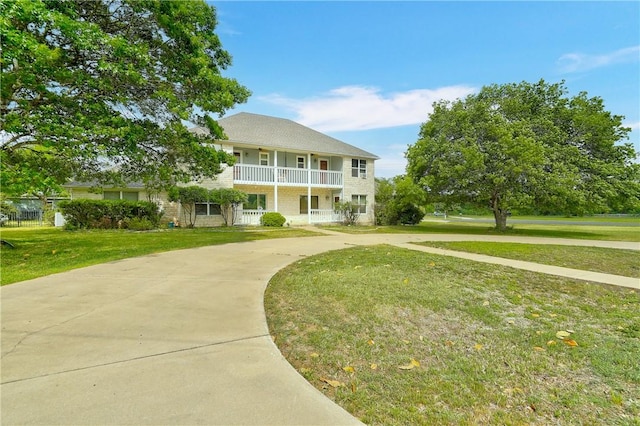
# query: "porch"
{"type": "Point", "coordinates": [250, 174]}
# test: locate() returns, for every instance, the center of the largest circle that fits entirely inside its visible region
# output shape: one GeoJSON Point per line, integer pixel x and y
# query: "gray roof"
{"type": "Point", "coordinates": [279, 133]}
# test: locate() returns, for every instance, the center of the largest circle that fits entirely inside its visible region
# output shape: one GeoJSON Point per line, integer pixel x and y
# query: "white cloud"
{"type": "Point", "coordinates": [575, 62]}
{"type": "Point", "coordinates": [361, 108]}
{"type": "Point", "coordinates": [634, 126]}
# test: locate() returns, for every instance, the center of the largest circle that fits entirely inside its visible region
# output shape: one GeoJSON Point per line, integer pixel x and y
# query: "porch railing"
{"type": "Point", "coordinates": [285, 176]}
{"type": "Point", "coordinates": [324, 216]}
{"type": "Point", "coordinates": [251, 217]}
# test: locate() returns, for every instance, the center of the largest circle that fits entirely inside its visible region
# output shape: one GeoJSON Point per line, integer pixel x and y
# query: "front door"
{"type": "Point", "coordinates": [324, 165]}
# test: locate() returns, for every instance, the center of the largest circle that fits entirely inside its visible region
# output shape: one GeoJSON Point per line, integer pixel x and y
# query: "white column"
{"type": "Point", "coordinates": [275, 181]}
{"type": "Point", "coordinates": [309, 188]}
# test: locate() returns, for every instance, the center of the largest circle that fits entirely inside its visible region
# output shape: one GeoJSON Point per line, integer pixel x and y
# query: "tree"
{"type": "Point", "coordinates": [229, 200]}
{"type": "Point", "coordinates": [103, 89]}
{"type": "Point", "coordinates": [398, 201]}
{"type": "Point", "coordinates": [526, 146]}
{"type": "Point", "coordinates": [188, 196]}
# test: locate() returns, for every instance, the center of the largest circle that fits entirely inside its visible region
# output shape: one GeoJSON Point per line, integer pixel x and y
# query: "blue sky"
{"type": "Point", "coordinates": [367, 72]}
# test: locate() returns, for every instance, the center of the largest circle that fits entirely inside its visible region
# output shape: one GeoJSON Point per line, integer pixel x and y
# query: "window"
{"type": "Point", "coordinates": [264, 158]}
{"type": "Point", "coordinates": [361, 202]}
{"type": "Point", "coordinates": [359, 168]}
{"type": "Point", "coordinates": [120, 195]}
{"type": "Point", "coordinates": [301, 162]}
{"type": "Point", "coordinates": [207, 209]}
{"type": "Point", "coordinates": [256, 202]}
{"type": "Point", "coordinates": [304, 204]}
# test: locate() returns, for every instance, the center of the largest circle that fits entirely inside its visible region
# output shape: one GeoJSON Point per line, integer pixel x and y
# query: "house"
{"type": "Point", "coordinates": [284, 167]}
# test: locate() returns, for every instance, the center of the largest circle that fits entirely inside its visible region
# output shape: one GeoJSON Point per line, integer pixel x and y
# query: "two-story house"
{"type": "Point", "coordinates": [284, 167]}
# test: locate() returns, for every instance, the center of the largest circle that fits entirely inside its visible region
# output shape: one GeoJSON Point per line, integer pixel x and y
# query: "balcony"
{"type": "Point", "coordinates": [285, 176]}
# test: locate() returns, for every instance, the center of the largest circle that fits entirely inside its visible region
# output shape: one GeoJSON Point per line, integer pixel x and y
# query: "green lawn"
{"type": "Point", "coordinates": [44, 251]}
{"type": "Point", "coordinates": [596, 259]}
{"type": "Point", "coordinates": [577, 231]}
{"type": "Point", "coordinates": [399, 337]}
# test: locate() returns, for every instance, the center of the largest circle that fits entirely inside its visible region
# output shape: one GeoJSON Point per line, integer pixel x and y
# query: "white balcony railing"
{"type": "Point", "coordinates": [285, 176]}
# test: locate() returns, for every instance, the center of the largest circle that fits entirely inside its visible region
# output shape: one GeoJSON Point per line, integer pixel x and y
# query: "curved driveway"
{"type": "Point", "coordinates": [177, 337]}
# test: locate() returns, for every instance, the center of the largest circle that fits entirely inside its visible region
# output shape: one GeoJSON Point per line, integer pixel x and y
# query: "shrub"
{"type": "Point", "coordinates": [272, 219]}
{"type": "Point", "coordinates": [137, 224]}
{"type": "Point", "coordinates": [349, 212]}
{"type": "Point", "coordinates": [107, 214]}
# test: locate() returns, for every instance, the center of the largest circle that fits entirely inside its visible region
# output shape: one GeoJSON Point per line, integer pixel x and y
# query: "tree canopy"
{"type": "Point", "coordinates": [526, 145]}
{"type": "Point", "coordinates": [103, 89]}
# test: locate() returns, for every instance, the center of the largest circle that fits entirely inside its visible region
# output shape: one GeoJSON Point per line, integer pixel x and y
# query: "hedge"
{"type": "Point", "coordinates": [109, 214]}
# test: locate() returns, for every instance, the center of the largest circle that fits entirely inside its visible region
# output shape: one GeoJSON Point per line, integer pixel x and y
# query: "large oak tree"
{"type": "Point", "coordinates": [104, 90]}
{"type": "Point", "coordinates": [526, 146]}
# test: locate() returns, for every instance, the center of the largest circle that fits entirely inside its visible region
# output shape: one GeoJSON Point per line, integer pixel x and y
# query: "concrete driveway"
{"type": "Point", "coordinates": [174, 338]}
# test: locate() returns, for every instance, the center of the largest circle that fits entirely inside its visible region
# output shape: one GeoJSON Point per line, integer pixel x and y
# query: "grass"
{"type": "Point", "coordinates": [44, 251]}
{"type": "Point", "coordinates": [577, 231]}
{"type": "Point", "coordinates": [477, 343]}
{"type": "Point", "coordinates": [596, 259]}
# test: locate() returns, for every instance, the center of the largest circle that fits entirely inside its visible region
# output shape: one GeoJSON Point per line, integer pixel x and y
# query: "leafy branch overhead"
{"type": "Point", "coordinates": [104, 86]}
{"type": "Point", "coordinates": [526, 146]}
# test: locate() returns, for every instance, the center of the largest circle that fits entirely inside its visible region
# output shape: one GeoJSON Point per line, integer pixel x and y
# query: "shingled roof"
{"type": "Point", "coordinates": [279, 133]}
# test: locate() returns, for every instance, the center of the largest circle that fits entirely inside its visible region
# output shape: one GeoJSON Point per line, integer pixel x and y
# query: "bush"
{"type": "Point", "coordinates": [349, 212]}
{"type": "Point", "coordinates": [410, 215]}
{"type": "Point", "coordinates": [272, 219]}
{"type": "Point", "coordinates": [107, 214]}
{"type": "Point", "coordinates": [137, 224]}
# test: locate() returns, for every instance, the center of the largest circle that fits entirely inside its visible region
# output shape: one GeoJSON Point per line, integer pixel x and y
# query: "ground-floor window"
{"type": "Point", "coordinates": [255, 202]}
{"type": "Point", "coordinates": [207, 209]}
{"type": "Point", "coordinates": [120, 195]}
{"type": "Point", "coordinates": [361, 202]}
{"type": "Point", "coordinates": [304, 203]}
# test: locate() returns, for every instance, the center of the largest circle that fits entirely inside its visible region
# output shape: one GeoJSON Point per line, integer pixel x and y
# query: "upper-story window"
{"type": "Point", "coordinates": [359, 168]}
{"type": "Point", "coordinates": [300, 162]}
{"type": "Point", "coordinates": [264, 158]}
{"type": "Point", "coordinates": [120, 195]}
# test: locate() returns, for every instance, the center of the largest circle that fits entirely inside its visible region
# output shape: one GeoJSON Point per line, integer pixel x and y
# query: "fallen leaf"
{"type": "Point", "coordinates": [511, 322]}
{"type": "Point", "coordinates": [570, 342]}
{"type": "Point", "coordinates": [406, 342]}
{"type": "Point", "coordinates": [349, 369]}
{"type": "Point", "coordinates": [539, 349]}
{"type": "Point", "coordinates": [477, 346]}
{"type": "Point", "coordinates": [405, 281]}
{"type": "Point", "coordinates": [53, 251]}
{"type": "Point", "coordinates": [332, 383]}
{"type": "Point", "coordinates": [314, 355]}
{"type": "Point", "coordinates": [370, 341]}
{"type": "Point", "coordinates": [449, 343]}
{"type": "Point", "coordinates": [535, 315]}
{"type": "Point", "coordinates": [551, 342]}
{"type": "Point", "coordinates": [374, 366]}
{"type": "Point", "coordinates": [353, 387]}
{"type": "Point", "coordinates": [421, 338]}
{"type": "Point", "coordinates": [553, 315]}
{"type": "Point", "coordinates": [432, 264]}
{"type": "Point", "coordinates": [412, 364]}
{"type": "Point", "coordinates": [570, 331]}
{"type": "Point", "coordinates": [562, 334]}
{"type": "Point", "coordinates": [485, 303]}
{"type": "Point", "coordinates": [357, 267]}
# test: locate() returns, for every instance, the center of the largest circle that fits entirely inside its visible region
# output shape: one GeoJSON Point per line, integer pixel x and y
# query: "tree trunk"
{"type": "Point", "coordinates": [499, 213]}
{"type": "Point", "coordinates": [501, 219]}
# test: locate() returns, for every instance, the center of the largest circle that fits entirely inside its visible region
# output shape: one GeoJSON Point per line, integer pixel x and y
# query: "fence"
{"type": "Point", "coordinates": [24, 219]}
